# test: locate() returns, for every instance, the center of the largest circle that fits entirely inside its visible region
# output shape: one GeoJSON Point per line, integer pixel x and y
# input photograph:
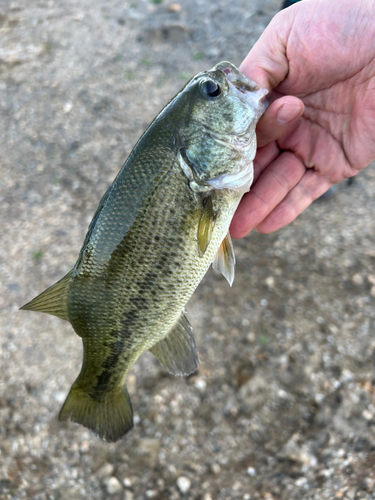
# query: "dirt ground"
{"type": "Point", "coordinates": [283, 404]}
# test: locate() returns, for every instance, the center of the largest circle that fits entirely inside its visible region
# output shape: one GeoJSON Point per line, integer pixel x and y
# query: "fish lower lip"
{"type": "Point", "coordinates": [240, 181]}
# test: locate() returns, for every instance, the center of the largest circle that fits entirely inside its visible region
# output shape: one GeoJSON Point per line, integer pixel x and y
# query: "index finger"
{"type": "Point", "coordinates": [267, 63]}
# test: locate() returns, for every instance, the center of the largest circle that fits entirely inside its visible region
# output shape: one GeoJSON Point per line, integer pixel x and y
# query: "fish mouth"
{"type": "Point", "coordinates": [244, 88]}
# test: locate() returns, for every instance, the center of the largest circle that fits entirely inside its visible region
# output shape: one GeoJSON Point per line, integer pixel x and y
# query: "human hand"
{"type": "Point", "coordinates": [317, 58]}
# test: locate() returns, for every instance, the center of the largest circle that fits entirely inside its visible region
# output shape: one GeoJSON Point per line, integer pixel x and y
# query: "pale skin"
{"type": "Point", "coordinates": [317, 58]}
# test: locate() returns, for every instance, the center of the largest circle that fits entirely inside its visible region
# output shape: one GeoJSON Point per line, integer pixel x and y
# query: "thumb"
{"type": "Point", "coordinates": [267, 63]}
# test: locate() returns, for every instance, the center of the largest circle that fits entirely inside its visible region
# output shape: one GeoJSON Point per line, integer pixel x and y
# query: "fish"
{"type": "Point", "coordinates": [160, 225]}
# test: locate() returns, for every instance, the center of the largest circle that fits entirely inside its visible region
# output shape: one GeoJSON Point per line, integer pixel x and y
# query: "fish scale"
{"type": "Point", "coordinates": [158, 228]}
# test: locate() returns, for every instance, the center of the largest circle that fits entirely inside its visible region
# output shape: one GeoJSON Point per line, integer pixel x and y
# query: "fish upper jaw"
{"type": "Point", "coordinates": [254, 98]}
{"type": "Point", "coordinates": [245, 89]}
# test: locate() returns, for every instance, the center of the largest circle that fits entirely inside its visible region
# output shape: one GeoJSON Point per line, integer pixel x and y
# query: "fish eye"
{"type": "Point", "coordinates": [209, 88]}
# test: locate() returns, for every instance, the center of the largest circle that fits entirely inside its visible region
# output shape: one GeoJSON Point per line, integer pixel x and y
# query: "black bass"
{"type": "Point", "coordinates": [156, 231]}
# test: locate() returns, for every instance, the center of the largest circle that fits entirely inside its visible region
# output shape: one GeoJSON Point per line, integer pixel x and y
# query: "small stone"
{"type": "Point", "coordinates": [152, 493]}
{"type": "Point", "coordinates": [200, 384]}
{"type": "Point", "coordinates": [371, 279]}
{"type": "Point", "coordinates": [350, 494]}
{"type": "Point", "coordinates": [270, 282]}
{"type": "Point", "coordinates": [207, 496]}
{"type": "Point", "coordinates": [296, 453]}
{"type": "Point", "coordinates": [136, 419]}
{"type": "Point", "coordinates": [346, 375]}
{"type": "Point", "coordinates": [326, 473]}
{"type": "Point", "coordinates": [85, 446]}
{"type": "Point", "coordinates": [216, 469]}
{"type": "Point", "coordinates": [319, 398]}
{"type": "Point", "coordinates": [183, 484]}
{"type": "Point", "coordinates": [68, 106]}
{"type": "Point", "coordinates": [113, 485]}
{"type": "Point", "coordinates": [127, 482]}
{"type": "Point", "coordinates": [237, 486]}
{"type": "Point", "coordinates": [301, 481]}
{"type": "Point", "coordinates": [357, 279]}
{"type": "Point", "coordinates": [128, 495]}
{"type": "Point", "coordinates": [251, 471]}
{"type": "Point", "coordinates": [251, 337]}
{"type": "Point", "coordinates": [372, 291]}
{"type": "Point", "coordinates": [105, 471]}
{"type": "Point", "coordinates": [174, 7]}
{"type": "Point", "coordinates": [367, 415]}
{"type": "Point", "coordinates": [268, 496]}
{"type": "Point", "coordinates": [59, 396]}
{"type": "Point", "coordinates": [367, 484]}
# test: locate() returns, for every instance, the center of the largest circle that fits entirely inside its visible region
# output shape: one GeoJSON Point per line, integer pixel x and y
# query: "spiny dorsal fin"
{"type": "Point", "coordinates": [206, 226]}
{"type": "Point", "coordinates": [53, 301]}
{"type": "Point", "coordinates": [177, 352]}
{"type": "Point", "coordinates": [225, 259]}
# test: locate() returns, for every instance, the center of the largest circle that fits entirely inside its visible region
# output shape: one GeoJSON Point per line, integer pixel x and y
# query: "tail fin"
{"type": "Point", "coordinates": [110, 418]}
{"type": "Point", "coordinates": [53, 301]}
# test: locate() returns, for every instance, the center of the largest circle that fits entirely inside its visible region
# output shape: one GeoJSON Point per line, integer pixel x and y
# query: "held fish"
{"type": "Point", "coordinates": [156, 231]}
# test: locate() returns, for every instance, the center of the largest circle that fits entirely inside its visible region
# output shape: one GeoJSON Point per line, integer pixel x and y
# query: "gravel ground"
{"type": "Point", "coordinates": [283, 404]}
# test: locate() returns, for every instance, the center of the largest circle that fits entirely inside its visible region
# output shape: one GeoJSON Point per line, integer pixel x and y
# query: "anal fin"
{"type": "Point", "coordinates": [177, 352]}
{"type": "Point", "coordinates": [53, 301]}
{"type": "Point", "coordinates": [225, 259]}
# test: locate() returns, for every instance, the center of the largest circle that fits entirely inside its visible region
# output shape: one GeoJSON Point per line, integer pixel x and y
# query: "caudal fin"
{"type": "Point", "coordinates": [110, 418]}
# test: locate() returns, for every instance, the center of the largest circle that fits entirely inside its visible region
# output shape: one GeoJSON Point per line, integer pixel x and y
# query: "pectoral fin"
{"type": "Point", "coordinates": [225, 259]}
{"type": "Point", "coordinates": [206, 226]}
{"type": "Point", "coordinates": [177, 352]}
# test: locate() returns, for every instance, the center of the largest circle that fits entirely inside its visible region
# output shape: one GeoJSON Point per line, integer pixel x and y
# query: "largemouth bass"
{"type": "Point", "coordinates": [156, 231]}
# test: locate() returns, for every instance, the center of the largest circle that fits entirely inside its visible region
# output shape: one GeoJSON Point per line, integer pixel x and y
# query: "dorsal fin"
{"type": "Point", "coordinates": [177, 352]}
{"type": "Point", "coordinates": [53, 301]}
{"type": "Point", "coordinates": [225, 259]}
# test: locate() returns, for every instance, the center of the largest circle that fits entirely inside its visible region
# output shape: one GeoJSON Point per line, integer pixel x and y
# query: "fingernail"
{"type": "Point", "coordinates": [287, 113]}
